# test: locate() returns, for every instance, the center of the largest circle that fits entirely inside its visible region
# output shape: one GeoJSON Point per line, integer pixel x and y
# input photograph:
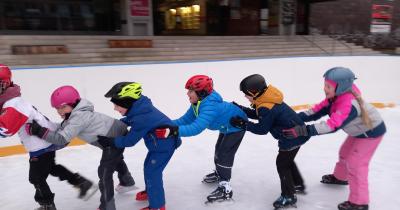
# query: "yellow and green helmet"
{"type": "Point", "coordinates": [125, 93]}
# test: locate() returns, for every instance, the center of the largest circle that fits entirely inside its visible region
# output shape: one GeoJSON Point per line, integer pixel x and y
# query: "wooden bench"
{"type": "Point", "coordinates": [133, 43]}
{"type": "Point", "coordinates": [38, 49]}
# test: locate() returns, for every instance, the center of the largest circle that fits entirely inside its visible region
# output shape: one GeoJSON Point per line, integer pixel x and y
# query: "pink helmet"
{"type": "Point", "coordinates": [64, 95]}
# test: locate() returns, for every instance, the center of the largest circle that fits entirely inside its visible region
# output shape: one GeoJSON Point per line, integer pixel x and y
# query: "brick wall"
{"type": "Point", "coordinates": [348, 16]}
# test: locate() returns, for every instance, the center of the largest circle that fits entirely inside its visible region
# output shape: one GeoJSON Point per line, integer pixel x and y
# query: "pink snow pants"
{"type": "Point", "coordinates": [354, 157]}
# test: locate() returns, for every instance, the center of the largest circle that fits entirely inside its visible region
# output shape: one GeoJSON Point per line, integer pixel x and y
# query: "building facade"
{"type": "Point", "coordinates": [355, 16]}
{"type": "Point", "coordinates": [198, 17]}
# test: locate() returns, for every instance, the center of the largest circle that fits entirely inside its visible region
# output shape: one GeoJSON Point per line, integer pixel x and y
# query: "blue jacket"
{"type": "Point", "coordinates": [273, 116]}
{"type": "Point", "coordinates": [143, 118]}
{"type": "Point", "coordinates": [212, 113]}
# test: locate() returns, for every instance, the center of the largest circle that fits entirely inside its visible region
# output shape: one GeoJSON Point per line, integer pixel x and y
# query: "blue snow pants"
{"type": "Point", "coordinates": [154, 165]}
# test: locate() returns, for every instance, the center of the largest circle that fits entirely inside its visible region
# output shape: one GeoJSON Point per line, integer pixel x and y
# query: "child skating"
{"type": "Point", "coordinates": [15, 114]}
{"type": "Point", "coordinates": [207, 110]}
{"type": "Point", "coordinates": [273, 114]}
{"type": "Point", "coordinates": [360, 120]}
{"type": "Point", "coordinates": [80, 120]}
{"type": "Point", "coordinates": [140, 114]}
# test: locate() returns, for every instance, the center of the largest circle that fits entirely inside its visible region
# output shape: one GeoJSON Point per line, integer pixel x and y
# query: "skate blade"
{"type": "Point", "coordinates": [229, 200]}
{"type": "Point", "coordinates": [330, 183]}
{"type": "Point", "coordinates": [126, 189]}
{"type": "Point", "coordinates": [90, 192]}
{"type": "Point", "coordinates": [205, 182]}
{"type": "Point", "coordinates": [286, 207]}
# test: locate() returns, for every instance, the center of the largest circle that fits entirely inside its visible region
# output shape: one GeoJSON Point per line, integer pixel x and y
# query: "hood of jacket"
{"type": "Point", "coordinates": [142, 106]}
{"type": "Point", "coordinates": [84, 105]}
{"type": "Point", "coordinates": [213, 97]}
{"type": "Point", "coordinates": [269, 98]}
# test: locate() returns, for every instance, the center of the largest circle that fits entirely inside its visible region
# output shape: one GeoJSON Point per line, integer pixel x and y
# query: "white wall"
{"type": "Point", "coordinates": [300, 79]}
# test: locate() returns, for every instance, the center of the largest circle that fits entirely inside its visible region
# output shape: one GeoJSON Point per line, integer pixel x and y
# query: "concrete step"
{"type": "Point", "coordinates": [131, 56]}
{"type": "Point", "coordinates": [106, 37]}
{"type": "Point", "coordinates": [191, 48]}
{"type": "Point", "coordinates": [94, 49]}
{"type": "Point", "coordinates": [159, 57]}
{"type": "Point", "coordinates": [196, 52]}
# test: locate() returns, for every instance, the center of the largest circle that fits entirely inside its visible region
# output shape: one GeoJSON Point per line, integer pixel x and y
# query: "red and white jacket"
{"type": "Point", "coordinates": [14, 114]}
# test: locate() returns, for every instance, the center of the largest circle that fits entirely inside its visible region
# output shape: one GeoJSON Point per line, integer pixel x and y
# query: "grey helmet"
{"type": "Point", "coordinates": [343, 77]}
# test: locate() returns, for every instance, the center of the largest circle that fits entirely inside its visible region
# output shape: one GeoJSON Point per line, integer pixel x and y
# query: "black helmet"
{"type": "Point", "coordinates": [253, 85]}
{"type": "Point", "coordinates": [125, 90]}
{"type": "Point", "coordinates": [124, 94]}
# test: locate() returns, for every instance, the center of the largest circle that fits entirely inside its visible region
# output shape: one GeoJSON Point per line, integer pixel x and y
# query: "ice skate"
{"type": "Point", "coordinates": [211, 178]}
{"type": "Point", "coordinates": [86, 188]}
{"type": "Point", "coordinates": [222, 193]}
{"type": "Point", "coordinates": [347, 205]}
{"type": "Point", "coordinates": [47, 207]}
{"type": "Point", "coordinates": [300, 189]}
{"type": "Point", "coordinates": [148, 208]}
{"type": "Point", "coordinates": [331, 179]}
{"type": "Point", "coordinates": [285, 201]}
{"type": "Point", "coordinates": [141, 196]}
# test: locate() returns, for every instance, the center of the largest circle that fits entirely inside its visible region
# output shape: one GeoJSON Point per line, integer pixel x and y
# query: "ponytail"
{"type": "Point", "coordinates": [364, 114]}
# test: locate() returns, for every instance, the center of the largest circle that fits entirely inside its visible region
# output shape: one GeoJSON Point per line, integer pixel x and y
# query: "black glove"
{"type": "Point", "coordinates": [34, 129]}
{"type": "Point", "coordinates": [105, 141]}
{"type": "Point", "coordinates": [238, 122]}
{"type": "Point", "coordinates": [165, 131]}
{"type": "Point", "coordinates": [296, 131]}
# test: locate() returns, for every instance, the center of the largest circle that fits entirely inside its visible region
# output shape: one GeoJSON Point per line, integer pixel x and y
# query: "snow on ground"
{"type": "Point", "coordinates": [255, 180]}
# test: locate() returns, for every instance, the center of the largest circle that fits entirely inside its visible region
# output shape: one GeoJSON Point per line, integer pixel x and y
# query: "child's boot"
{"type": "Point", "coordinates": [86, 188]}
{"type": "Point", "coordinates": [222, 193]}
{"type": "Point", "coordinates": [347, 205]}
{"type": "Point", "coordinates": [148, 208]}
{"type": "Point", "coordinates": [331, 179]}
{"type": "Point", "coordinates": [211, 178]}
{"type": "Point", "coordinates": [50, 206]}
{"type": "Point", "coordinates": [141, 196]}
{"type": "Point", "coordinates": [300, 189]}
{"type": "Point", "coordinates": [285, 201]}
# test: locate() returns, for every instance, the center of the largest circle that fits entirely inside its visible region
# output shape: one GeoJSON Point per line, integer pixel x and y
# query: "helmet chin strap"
{"type": "Point", "coordinates": [256, 95]}
{"type": "Point", "coordinates": [253, 95]}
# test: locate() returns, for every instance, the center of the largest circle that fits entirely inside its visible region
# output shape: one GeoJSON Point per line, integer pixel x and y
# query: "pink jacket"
{"type": "Point", "coordinates": [345, 113]}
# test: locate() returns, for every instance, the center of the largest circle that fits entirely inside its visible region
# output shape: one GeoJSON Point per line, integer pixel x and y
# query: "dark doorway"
{"type": "Point", "coordinates": [302, 19]}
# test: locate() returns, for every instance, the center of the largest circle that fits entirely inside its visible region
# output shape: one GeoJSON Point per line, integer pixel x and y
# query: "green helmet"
{"type": "Point", "coordinates": [124, 90]}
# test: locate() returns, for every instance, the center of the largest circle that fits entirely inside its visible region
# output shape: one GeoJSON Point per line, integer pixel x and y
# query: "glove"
{"type": "Point", "coordinates": [34, 129]}
{"type": "Point", "coordinates": [165, 131]}
{"type": "Point", "coordinates": [296, 131]}
{"type": "Point", "coordinates": [238, 122]}
{"type": "Point", "coordinates": [105, 141]}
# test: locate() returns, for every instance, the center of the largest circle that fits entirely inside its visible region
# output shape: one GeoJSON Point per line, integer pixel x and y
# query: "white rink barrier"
{"type": "Point", "coordinates": [300, 79]}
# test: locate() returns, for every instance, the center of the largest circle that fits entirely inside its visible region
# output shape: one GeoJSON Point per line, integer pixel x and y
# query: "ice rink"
{"type": "Point", "coordinates": [255, 180]}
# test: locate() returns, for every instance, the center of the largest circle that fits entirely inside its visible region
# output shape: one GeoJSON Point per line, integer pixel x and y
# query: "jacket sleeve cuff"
{"type": "Point", "coordinates": [312, 131]}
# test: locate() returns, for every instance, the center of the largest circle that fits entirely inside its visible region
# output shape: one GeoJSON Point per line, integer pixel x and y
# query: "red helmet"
{"type": "Point", "coordinates": [5, 76]}
{"type": "Point", "coordinates": [199, 83]}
